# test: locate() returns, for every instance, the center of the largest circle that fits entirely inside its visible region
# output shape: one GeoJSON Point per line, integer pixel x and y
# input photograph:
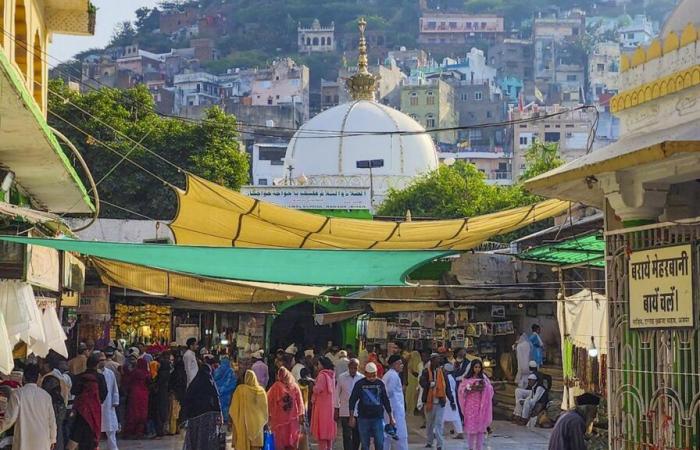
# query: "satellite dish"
{"type": "Point", "coordinates": [449, 161]}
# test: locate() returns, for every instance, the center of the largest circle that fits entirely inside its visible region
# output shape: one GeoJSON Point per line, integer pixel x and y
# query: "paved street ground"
{"type": "Point", "coordinates": [506, 436]}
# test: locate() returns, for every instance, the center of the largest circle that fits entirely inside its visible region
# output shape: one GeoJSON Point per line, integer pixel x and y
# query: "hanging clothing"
{"type": "Point", "coordinates": [286, 407]}
{"type": "Point", "coordinates": [202, 411]}
{"type": "Point", "coordinates": [90, 390]}
{"type": "Point", "coordinates": [136, 382]}
{"type": "Point", "coordinates": [523, 349]}
{"type": "Point", "coordinates": [323, 427]}
{"type": "Point", "coordinates": [226, 382]}
{"type": "Point", "coordinates": [29, 410]}
{"type": "Point", "coordinates": [476, 404]}
{"type": "Point", "coordinates": [415, 367]}
{"type": "Point", "coordinates": [249, 412]}
{"type": "Point", "coordinates": [394, 390]}
{"type": "Point", "coordinates": [110, 424]}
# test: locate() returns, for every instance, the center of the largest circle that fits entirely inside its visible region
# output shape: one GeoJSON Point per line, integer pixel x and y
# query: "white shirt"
{"type": "Point", "coordinates": [109, 412]}
{"type": "Point", "coordinates": [296, 371]}
{"type": "Point", "coordinates": [30, 410]}
{"type": "Point", "coordinates": [191, 367]}
{"type": "Point", "coordinates": [344, 385]}
{"type": "Point", "coordinates": [394, 390]}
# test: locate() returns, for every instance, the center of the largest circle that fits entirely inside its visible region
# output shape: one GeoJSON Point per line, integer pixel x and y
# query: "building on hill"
{"type": "Point", "coordinates": [284, 82]}
{"type": "Point", "coordinates": [640, 32]}
{"type": "Point", "coordinates": [409, 60]}
{"type": "Point", "coordinates": [432, 104]}
{"type": "Point", "coordinates": [330, 94]}
{"type": "Point", "coordinates": [604, 70]}
{"type": "Point", "coordinates": [174, 19]}
{"type": "Point", "coordinates": [440, 30]}
{"type": "Point", "coordinates": [316, 38]}
{"type": "Point", "coordinates": [513, 58]}
{"type": "Point", "coordinates": [571, 131]}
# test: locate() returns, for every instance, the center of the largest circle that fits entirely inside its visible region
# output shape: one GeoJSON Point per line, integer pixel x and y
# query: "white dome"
{"type": "Point", "coordinates": [325, 148]}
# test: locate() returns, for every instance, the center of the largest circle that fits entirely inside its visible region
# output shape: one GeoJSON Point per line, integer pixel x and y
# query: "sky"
{"type": "Point", "coordinates": [109, 13]}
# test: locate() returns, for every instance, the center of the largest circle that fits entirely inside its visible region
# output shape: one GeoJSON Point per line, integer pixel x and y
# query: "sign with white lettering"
{"type": "Point", "coordinates": [661, 287]}
{"type": "Point", "coordinates": [94, 300]}
{"type": "Point", "coordinates": [311, 197]}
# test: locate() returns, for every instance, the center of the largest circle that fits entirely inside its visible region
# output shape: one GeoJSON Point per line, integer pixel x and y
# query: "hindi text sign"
{"type": "Point", "coordinates": [661, 287]}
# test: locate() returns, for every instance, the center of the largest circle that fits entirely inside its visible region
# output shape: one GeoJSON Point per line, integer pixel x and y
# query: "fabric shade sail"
{"type": "Point", "coordinates": [288, 266]}
{"type": "Point", "coordinates": [197, 289]}
{"type": "Point", "coordinates": [209, 214]}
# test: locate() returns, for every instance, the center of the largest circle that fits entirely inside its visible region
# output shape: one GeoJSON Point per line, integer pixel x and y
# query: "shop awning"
{"type": "Point", "coordinates": [580, 251]}
{"type": "Point", "coordinates": [288, 266]}
{"type": "Point", "coordinates": [197, 289]}
{"type": "Point", "coordinates": [209, 214]}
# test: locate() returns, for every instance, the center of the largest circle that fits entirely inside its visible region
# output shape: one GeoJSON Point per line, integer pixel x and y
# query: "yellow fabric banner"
{"type": "Point", "coordinates": [210, 214]}
{"type": "Point", "coordinates": [206, 290]}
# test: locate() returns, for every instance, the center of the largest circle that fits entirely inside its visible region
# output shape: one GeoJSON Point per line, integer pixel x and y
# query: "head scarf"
{"type": "Point", "coordinates": [226, 382]}
{"type": "Point", "coordinates": [249, 412]}
{"type": "Point", "coordinates": [284, 399]}
{"type": "Point", "coordinates": [201, 396]}
{"type": "Point", "coordinates": [414, 363]}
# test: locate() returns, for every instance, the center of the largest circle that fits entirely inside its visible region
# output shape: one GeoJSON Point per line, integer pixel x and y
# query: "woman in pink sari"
{"type": "Point", "coordinates": [286, 410]}
{"type": "Point", "coordinates": [475, 396]}
{"type": "Point", "coordinates": [323, 426]}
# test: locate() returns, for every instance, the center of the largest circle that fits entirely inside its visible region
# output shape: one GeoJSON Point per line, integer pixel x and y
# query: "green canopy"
{"type": "Point", "coordinates": [289, 266]}
{"type": "Point", "coordinates": [584, 250]}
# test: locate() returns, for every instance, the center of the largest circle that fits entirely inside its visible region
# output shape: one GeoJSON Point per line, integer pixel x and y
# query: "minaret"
{"type": "Point", "coordinates": [363, 84]}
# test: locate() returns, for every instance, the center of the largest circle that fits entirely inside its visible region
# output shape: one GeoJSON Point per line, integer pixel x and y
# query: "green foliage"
{"type": "Point", "coordinates": [124, 34]}
{"type": "Point", "coordinates": [461, 190]}
{"type": "Point", "coordinates": [209, 149]}
{"type": "Point", "coordinates": [541, 157]}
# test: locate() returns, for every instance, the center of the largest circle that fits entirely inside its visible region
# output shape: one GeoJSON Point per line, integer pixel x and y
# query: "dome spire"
{"type": "Point", "coordinates": [363, 84]}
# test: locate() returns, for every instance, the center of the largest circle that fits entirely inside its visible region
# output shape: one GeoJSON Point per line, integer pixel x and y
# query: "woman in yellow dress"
{"type": "Point", "coordinates": [249, 413]}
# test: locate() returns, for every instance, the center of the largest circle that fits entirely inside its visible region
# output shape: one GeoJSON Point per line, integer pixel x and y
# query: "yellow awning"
{"type": "Point", "coordinates": [209, 214]}
{"type": "Point", "coordinates": [205, 290]}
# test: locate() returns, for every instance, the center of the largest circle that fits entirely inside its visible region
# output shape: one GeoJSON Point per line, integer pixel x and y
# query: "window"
{"type": "Point", "coordinates": [430, 121]}
{"type": "Point", "coordinates": [262, 181]}
{"type": "Point", "coordinates": [630, 35]}
{"type": "Point", "coordinates": [329, 40]}
{"type": "Point", "coordinates": [328, 99]}
{"type": "Point", "coordinates": [478, 95]}
{"type": "Point", "coordinates": [569, 125]}
{"type": "Point", "coordinates": [21, 39]}
{"type": "Point", "coordinates": [571, 77]}
{"type": "Point", "coordinates": [600, 67]}
{"type": "Point", "coordinates": [569, 135]}
{"type": "Point", "coordinates": [323, 40]}
{"type": "Point", "coordinates": [489, 114]}
{"type": "Point", "coordinates": [552, 137]}
{"type": "Point", "coordinates": [453, 25]}
{"type": "Point", "coordinates": [523, 140]}
{"type": "Point", "coordinates": [414, 99]}
{"type": "Point", "coordinates": [431, 99]}
{"type": "Point", "coordinates": [464, 96]}
{"type": "Point", "coordinates": [269, 100]}
{"type": "Point", "coordinates": [308, 41]}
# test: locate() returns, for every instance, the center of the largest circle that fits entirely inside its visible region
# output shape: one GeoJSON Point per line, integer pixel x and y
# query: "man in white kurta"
{"type": "Point", "coordinates": [394, 390]}
{"type": "Point", "coordinates": [30, 410]}
{"type": "Point", "coordinates": [190, 360]}
{"type": "Point", "coordinates": [110, 424]}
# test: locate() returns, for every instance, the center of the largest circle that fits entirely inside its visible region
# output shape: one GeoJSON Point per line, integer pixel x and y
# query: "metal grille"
{"type": "Point", "coordinates": [654, 375]}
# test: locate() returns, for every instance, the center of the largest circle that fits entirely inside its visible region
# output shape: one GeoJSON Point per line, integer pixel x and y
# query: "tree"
{"type": "Point", "coordinates": [124, 34]}
{"type": "Point", "coordinates": [208, 149]}
{"type": "Point", "coordinates": [461, 190]}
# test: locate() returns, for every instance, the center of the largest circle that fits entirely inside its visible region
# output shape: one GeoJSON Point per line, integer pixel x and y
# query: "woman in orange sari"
{"type": "Point", "coordinates": [286, 410]}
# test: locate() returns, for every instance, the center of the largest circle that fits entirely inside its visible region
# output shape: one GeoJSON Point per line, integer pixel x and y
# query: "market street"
{"type": "Point", "coordinates": [506, 436]}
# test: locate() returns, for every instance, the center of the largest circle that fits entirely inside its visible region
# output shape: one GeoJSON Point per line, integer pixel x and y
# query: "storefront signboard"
{"type": "Point", "coordinates": [661, 287]}
{"type": "Point", "coordinates": [73, 273]}
{"type": "Point", "coordinates": [94, 300]}
{"type": "Point", "coordinates": [311, 197]}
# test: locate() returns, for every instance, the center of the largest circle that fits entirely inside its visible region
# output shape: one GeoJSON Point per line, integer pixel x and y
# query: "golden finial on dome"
{"type": "Point", "coordinates": [362, 85]}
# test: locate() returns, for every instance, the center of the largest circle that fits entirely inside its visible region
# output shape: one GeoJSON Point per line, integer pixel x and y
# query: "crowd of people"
{"type": "Point", "coordinates": [290, 397]}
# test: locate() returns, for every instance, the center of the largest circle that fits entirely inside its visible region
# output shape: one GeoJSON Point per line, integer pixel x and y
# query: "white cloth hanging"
{"type": "Point", "coordinates": [14, 308]}
{"type": "Point", "coordinates": [55, 336]}
{"type": "Point", "coordinates": [7, 363]}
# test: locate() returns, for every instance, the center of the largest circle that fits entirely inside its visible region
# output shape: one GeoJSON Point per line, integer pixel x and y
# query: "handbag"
{"type": "Point", "coordinates": [268, 440]}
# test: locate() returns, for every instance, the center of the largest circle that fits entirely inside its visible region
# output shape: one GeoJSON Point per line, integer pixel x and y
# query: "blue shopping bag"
{"type": "Point", "coordinates": [268, 441]}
